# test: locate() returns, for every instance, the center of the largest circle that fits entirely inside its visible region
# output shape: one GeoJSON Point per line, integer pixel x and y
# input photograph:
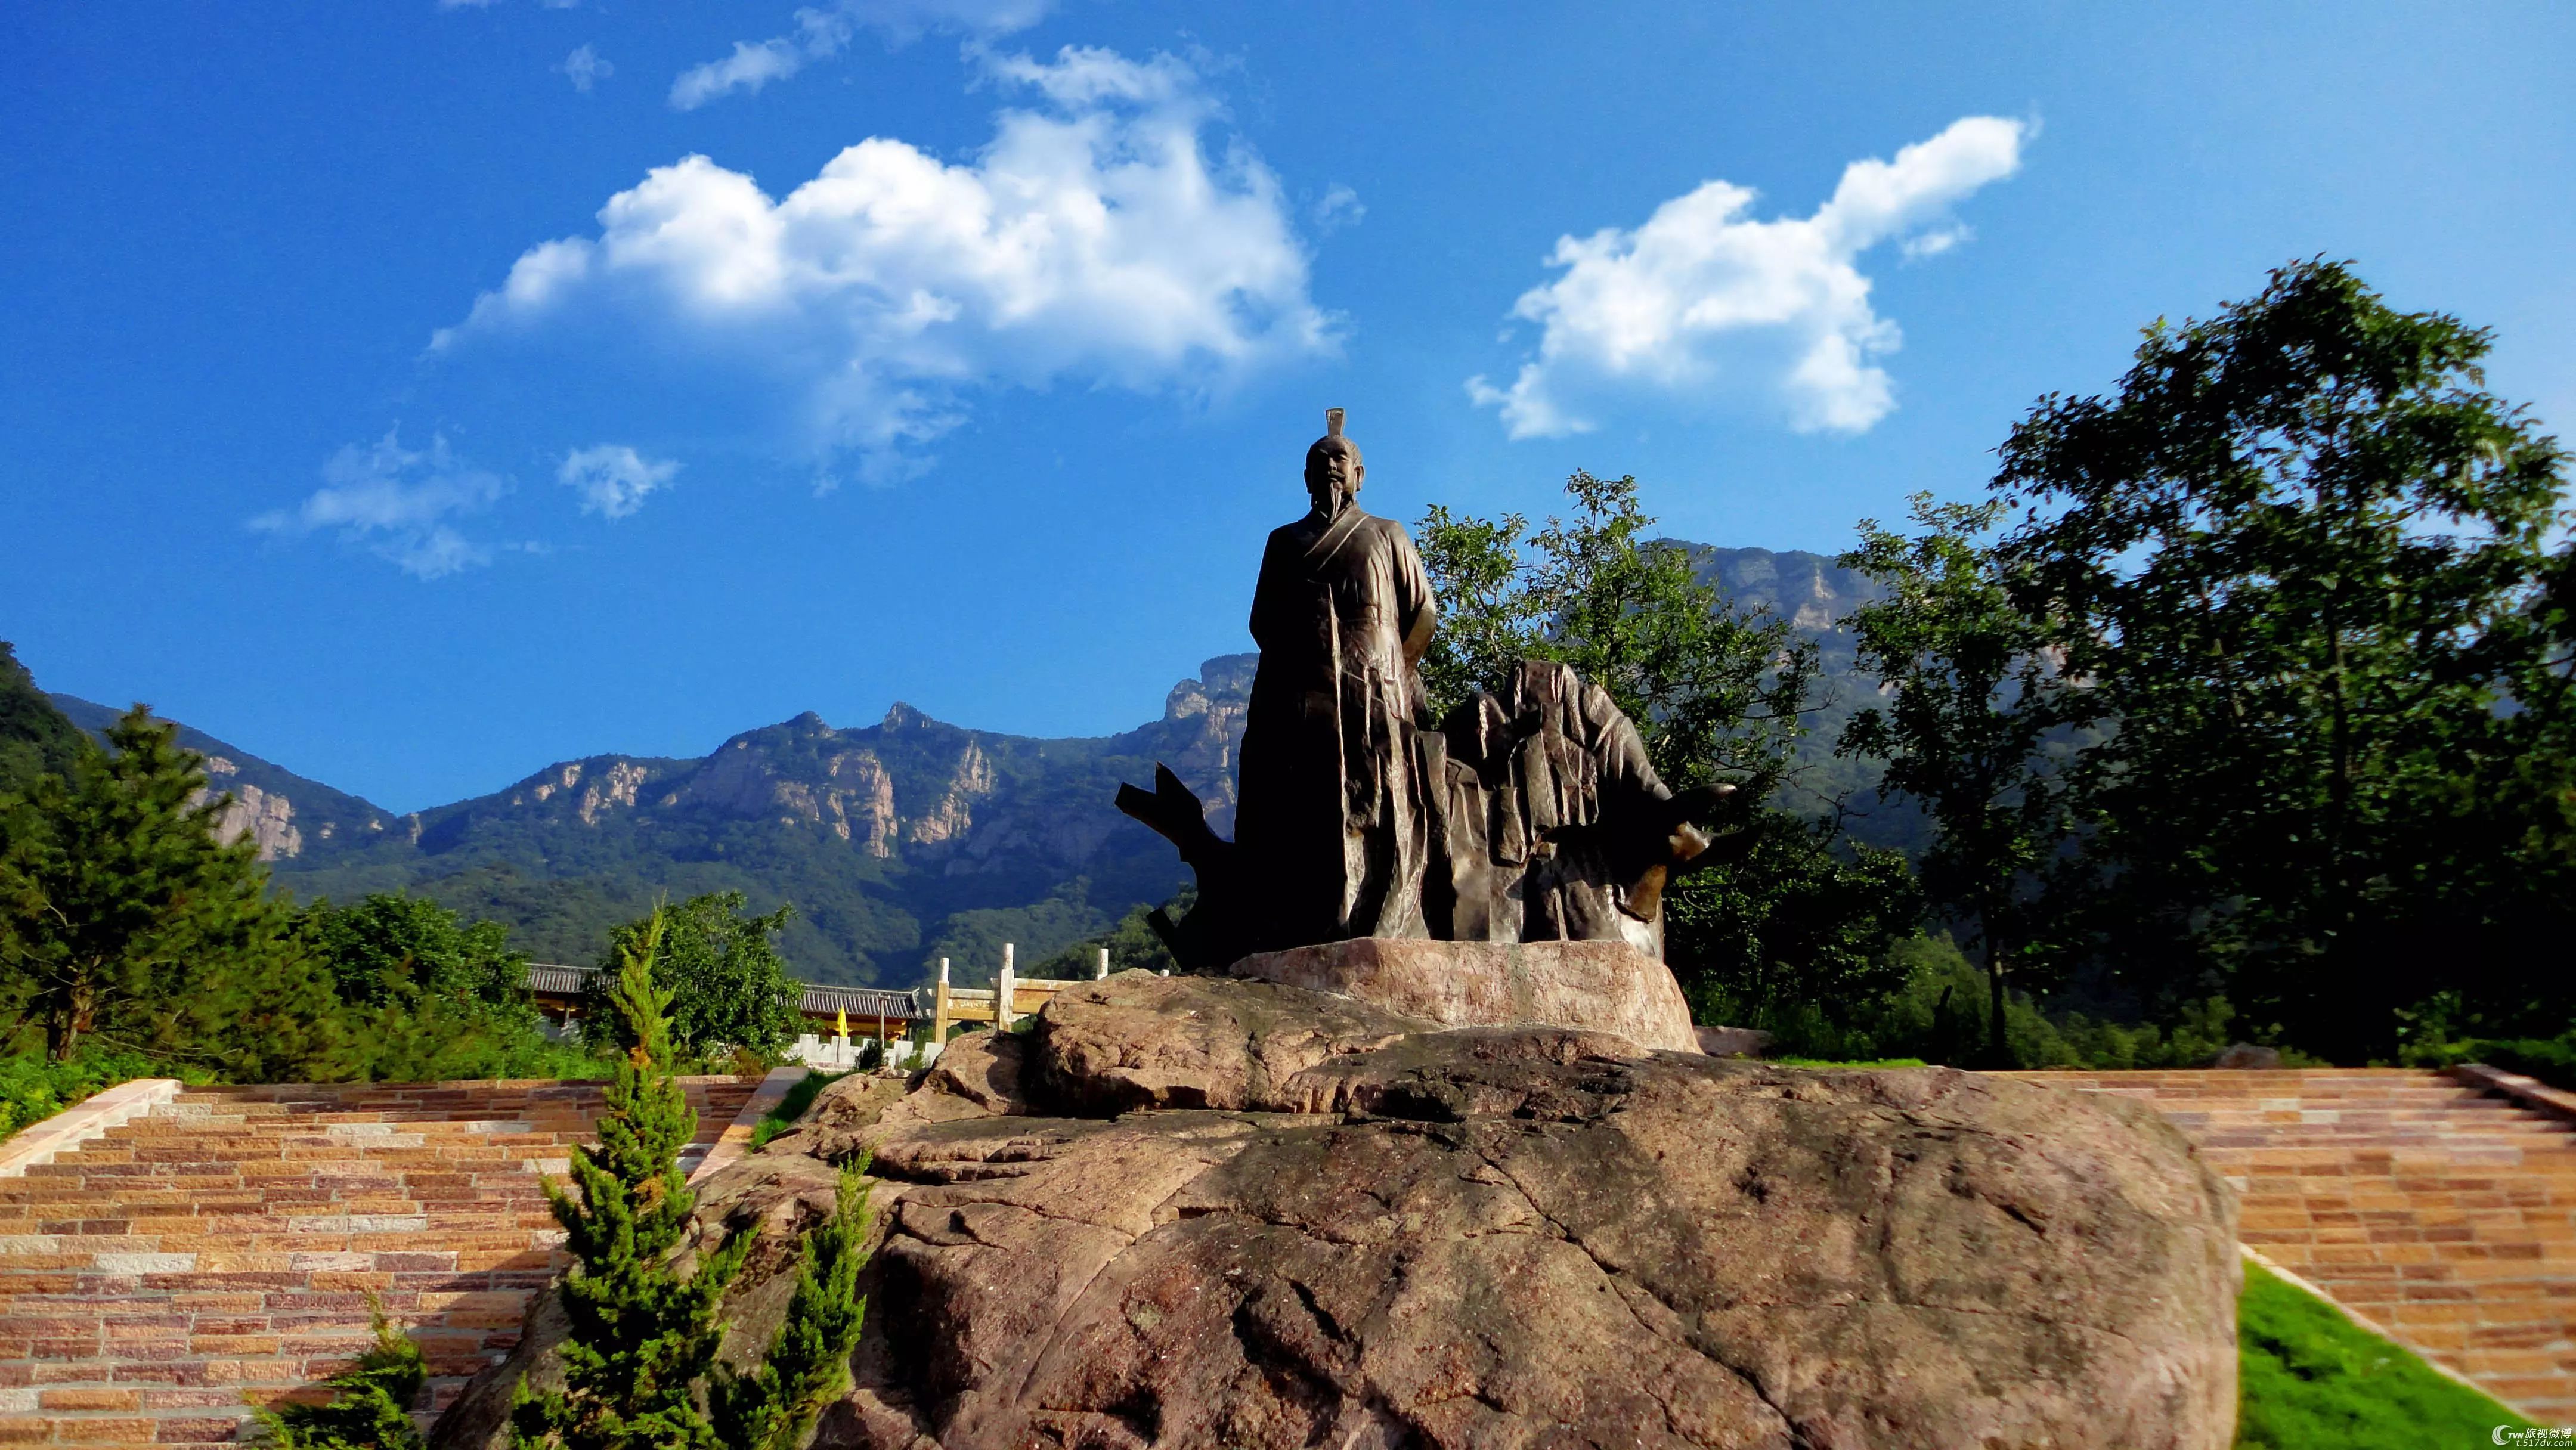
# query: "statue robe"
{"type": "Point", "coordinates": [1332, 816]}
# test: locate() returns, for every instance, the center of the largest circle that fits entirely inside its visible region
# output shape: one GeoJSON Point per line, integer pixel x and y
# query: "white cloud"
{"type": "Point", "coordinates": [1703, 301]}
{"type": "Point", "coordinates": [613, 479]}
{"type": "Point", "coordinates": [1341, 207]}
{"type": "Point", "coordinates": [1093, 239]}
{"type": "Point", "coordinates": [822, 33]}
{"type": "Point", "coordinates": [585, 69]}
{"type": "Point", "coordinates": [401, 500]}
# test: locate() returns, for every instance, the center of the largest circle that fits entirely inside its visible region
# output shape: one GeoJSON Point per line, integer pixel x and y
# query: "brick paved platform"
{"type": "Point", "coordinates": [221, 1248]}
{"type": "Point", "coordinates": [2444, 1215]}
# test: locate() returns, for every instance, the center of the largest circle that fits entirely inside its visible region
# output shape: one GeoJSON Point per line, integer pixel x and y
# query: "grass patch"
{"type": "Point", "coordinates": [791, 1107]}
{"type": "Point", "coordinates": [2308, 1377]}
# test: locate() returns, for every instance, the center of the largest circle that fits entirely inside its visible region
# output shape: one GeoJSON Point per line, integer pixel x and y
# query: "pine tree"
{"type": "Point", "coordinates": [643, 1332]}
{"type": "Point", "coordinates": [124, 917]}
{"type": "Point", "coordinates": [34, 736]}
{"type": "Point", "coordinates": [808, 1364]}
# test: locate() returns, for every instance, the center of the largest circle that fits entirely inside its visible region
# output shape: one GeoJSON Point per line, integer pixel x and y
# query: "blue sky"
{"type": "Point", "coordinates": [386, 389]}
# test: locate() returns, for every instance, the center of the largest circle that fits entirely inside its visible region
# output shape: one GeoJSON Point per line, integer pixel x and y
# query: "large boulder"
{"type": "Point", "coordinates": [1599, 986]}
{"type": "Point", "coordinates": [1307, 1226]}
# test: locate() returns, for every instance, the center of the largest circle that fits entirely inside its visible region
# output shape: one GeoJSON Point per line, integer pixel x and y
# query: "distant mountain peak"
{"type": "Point", "coordinates": [282, 811]}
{"type": "Point", "coordinates": [1225, 680]}
{"type": "Point", "coordinates": [900, 715]}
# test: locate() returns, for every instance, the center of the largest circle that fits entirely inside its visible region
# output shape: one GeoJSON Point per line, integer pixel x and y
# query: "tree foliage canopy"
{"type": "Point", "coordinates": [718, 962]}
{"type": "Point", "coordinates": [1976, 696]}
{"type": "Point", "coordinates": [2301, 563]}
{"type": "Point", "coordinates": [1717, 692]}
{"type": "Point", "coordinates": [428, 996]}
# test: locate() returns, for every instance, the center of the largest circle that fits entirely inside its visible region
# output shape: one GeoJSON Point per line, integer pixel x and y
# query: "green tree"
{"type": "Point", "coordinates": [1133, 943]}
{"type": "Point", "coordinates": [123, 917]}
{"type": "Point", "coordinates": [2302, 558]}
{"type": "Point", "coordinates": [392, 947]}
{"type": "Point", "coordinates": [1976, 700]}
{"type": "Point", "coordinates": [643, 1334]}
{"type": "Point", "coordinates": [640, 1369]}
{"type": "Point", "coordinates": [729, 988]}
{"type": "Point", "coordinates": [1801, 922]}
{"type": "Point", "coordinates": [35, 738]}
{"type": "Point", "coordinates": [429, 996]}
{"type": "Point", "coordinates": [1717, 692]}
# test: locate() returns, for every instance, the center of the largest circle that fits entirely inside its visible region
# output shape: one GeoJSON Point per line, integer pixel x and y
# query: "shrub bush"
{"type": "Point", "coordinates": [1938, 1014]}
{"type": "Point", "coordinates": [33, 1088]}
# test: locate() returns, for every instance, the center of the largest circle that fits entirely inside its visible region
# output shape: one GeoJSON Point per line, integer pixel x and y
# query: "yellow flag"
{"type": "Point", "coordinates": [844, 1015]}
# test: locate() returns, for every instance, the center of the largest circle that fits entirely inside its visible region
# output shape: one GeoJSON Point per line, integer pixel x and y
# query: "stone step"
{"type": "Point", "coordinates": [2440, 1212]}
{"type": "Point", "coordinates": [157, 1280]}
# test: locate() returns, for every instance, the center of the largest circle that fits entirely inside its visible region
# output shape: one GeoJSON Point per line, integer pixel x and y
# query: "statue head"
{"type": "Point", "coordinates": [1333, 467]}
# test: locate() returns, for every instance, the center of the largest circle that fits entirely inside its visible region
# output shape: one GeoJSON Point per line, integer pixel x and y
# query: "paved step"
{"type": "Point", "coordinates": [2444, 1215]}
{"type": "Point", "coordinates": [221, 1250]}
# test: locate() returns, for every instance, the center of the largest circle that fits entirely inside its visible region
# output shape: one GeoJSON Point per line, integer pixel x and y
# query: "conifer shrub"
{"type": "Point", "coordinates": [808, 1363]}
{"type": "Point", "coordinates": [644, 1331]}
{"type": "Point", "coordinates": [369, 1404]}
{"type": "Point", "coordinates": [640, 1369]}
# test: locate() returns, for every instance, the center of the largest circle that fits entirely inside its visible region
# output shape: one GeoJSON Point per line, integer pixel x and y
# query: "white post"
{"type": "Point", "coordinates": [1104, 965]}
{"type": "Point", "coordinates": [1002, 994]}
{"type": "Point", "coordinates": [943, 971]}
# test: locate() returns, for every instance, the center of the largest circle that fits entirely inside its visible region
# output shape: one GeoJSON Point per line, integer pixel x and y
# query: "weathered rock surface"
{"type": "Point", "coordinates": [1311, 1227]}
{"type": "Point", "coordinates": [1602, 986]}
{"type": "Point", "coordinates": [1141, 1041]}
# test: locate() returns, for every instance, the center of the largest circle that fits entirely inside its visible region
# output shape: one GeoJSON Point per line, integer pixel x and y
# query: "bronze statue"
{"type": "Point", "coordinates": [1331, 812]}
{"type": "Point", "coordinates": [1532, 816]}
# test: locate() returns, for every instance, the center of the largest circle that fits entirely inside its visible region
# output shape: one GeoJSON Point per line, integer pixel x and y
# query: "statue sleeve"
{"type": "Point", "coordinates": [1417, 610]}
{"type": "Point", "coordinates": [1265, 597]}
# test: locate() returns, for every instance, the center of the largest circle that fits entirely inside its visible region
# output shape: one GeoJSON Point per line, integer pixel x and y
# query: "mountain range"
{"type": "Point", "coordinates": [899, 843]}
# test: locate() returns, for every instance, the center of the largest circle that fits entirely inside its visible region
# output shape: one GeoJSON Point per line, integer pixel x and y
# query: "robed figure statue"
{"type": "Point", "coordinates": [1332, 805]}
{"type": "Point", "coordinates": [1528, 814]}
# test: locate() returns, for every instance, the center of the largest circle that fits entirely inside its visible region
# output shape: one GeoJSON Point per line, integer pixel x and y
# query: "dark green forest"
{"type": "Point", "coordinates": [2237, 708]}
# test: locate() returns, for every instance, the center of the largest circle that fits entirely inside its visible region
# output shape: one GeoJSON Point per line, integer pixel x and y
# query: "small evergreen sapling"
{"type": "Point", "coordinates": [366, 1410]}
{"type": "Point", "coordinates": [643, 1333]}
{"type": "Point", "coordinates": [644, 1336]}
{"type": "Point", "coordinates": [808, 1365]}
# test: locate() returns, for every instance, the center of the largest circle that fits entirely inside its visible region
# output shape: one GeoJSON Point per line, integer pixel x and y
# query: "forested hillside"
{"type": "Point", "coordinates": [897, 843]}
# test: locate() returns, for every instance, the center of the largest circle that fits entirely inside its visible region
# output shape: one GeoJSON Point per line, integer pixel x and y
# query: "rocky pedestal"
{"type": "Point", "coordinates": [1193, 1212]}
{"type": "Point", "coordinates": [1596, 986]}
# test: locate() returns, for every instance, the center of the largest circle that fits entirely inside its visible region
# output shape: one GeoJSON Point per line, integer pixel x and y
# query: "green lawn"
{"type": "Point", "coordinates": [2310, 1379]}
{"type": "Point", "coordinates": [791, 1107]}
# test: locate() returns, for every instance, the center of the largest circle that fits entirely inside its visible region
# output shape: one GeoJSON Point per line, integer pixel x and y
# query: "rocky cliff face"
{"type": "Point", "coordinates": [1809, 590]}
{"type": "Point", "coordinates": [267, 819]}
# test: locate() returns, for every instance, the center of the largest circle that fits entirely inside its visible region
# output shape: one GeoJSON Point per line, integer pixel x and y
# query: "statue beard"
{"type": "Point", "coordinates": [1329, 501]}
